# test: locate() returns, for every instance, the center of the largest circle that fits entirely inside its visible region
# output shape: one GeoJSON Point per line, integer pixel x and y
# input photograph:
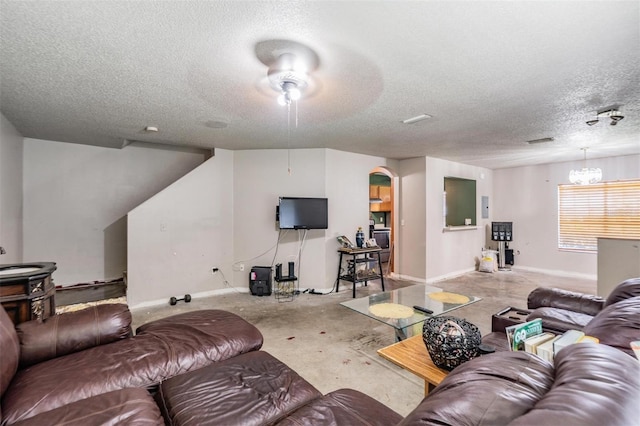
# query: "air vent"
{"type": "Point", "coordinates": [543, 140]}
{"type": "Point", "coordinates": [416, 119]}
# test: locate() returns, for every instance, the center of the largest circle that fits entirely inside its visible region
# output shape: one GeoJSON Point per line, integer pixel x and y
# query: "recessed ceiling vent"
{"type": "Point", "coordinates": [543, 140]}
{"type": "Point", "coordinates": [416, 119]}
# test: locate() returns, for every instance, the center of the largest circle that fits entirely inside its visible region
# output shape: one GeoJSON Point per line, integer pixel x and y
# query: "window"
{"type": "Point", "coordinates": [586, 212]}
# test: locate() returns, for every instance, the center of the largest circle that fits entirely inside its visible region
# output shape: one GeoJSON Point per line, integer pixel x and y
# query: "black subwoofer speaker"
{"type": "Point", "coordinates": [260, 281]}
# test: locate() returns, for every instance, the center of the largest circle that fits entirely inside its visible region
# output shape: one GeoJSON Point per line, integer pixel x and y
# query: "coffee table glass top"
{"type": "Point", "coordinates": [395, 307]}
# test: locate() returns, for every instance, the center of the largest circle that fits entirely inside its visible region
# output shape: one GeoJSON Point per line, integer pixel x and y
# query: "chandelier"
{"type": "Point", "coordinates": [585, 175]}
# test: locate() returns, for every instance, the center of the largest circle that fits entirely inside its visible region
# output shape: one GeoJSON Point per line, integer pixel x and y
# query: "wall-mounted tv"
{"type": "Point", "coordinates": [302, 213]}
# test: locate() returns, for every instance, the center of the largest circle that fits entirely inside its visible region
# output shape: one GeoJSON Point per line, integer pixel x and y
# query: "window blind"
{"type": "Point", "coordinates": [586, 212]}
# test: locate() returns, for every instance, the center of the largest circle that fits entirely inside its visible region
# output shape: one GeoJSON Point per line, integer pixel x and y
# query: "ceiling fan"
{"type": "Point", "coordinates": [289, 65]}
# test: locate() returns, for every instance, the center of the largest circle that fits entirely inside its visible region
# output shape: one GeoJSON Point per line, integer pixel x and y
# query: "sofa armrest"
{"type": "Point", "coordinates": [563, 299]}
{"type": "Point", "coordinates": [72, 332]}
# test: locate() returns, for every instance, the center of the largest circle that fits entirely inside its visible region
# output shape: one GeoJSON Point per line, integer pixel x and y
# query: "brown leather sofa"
{"type": "Point", "coordinates": [87, 366]}
{"type": "Point", "coordinates": [590, 384]}
{"type": "Point", "coordinates": [562, 310]}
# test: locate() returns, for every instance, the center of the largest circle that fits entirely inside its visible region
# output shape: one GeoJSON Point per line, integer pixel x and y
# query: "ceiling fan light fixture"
{"type": "Point", "coordinates": [288, 76]}
{"type": "Point", "coordinates": [290, 92]}
{"type": "Point", "coordinates": [611, 113]}
{"type": "Point", "coordinates": [615, 118]}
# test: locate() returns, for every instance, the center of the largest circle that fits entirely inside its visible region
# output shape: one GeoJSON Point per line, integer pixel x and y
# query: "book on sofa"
{"type": "Point", "coordinates": [518, 333]}
{"type": "Point", "coordinates": [569, 337]}
{"type": "Point", "coordinates": [531, 343]}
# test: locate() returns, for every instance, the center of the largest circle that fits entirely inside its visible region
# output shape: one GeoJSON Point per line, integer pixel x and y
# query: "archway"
{"type": "Point", "coordinates": [383, 208]}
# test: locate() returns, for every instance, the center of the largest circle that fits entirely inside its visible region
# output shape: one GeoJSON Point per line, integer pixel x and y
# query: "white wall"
{"type": "Point", "coordinates": [178, 236]}
{"type": "Point", "coordinates": [223, 215]}
{"type": "Point", "coordinates": [528, 197]}
{"type": "Point", "coordinates": [11, 165]}
{"type": "Point", "coordinates": [453, 253]}
{"type": "Point", "coordinates": [347, 182]}
{"type": "Point", "coordinates": [76, 198]}
{"type": "Point", "coordinates": [412, 235]}
{"type": "Point", "coordinates": [260, 177]}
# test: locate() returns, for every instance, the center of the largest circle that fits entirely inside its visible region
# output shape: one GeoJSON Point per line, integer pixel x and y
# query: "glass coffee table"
{"type": "Point", "coordinates": [396, 308]}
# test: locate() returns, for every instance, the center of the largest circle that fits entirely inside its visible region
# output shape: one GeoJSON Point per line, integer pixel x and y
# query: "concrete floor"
{"type": "Point", "coordinates": [333, 347]}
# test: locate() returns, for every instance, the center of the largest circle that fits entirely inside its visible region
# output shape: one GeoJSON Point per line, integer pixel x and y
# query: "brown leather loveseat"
{"type": "Point", "coordinates": [86, 364]}
{"type": "Point", "coordinates": [562, 310]}
{"type": "Point", "coordinates": [588, 384]}
{"type": "Point", "coordinates": [85, 368]}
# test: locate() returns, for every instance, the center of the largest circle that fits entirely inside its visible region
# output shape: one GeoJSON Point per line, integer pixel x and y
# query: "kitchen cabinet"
{"type": "Point", "coordinates": [382, 193]}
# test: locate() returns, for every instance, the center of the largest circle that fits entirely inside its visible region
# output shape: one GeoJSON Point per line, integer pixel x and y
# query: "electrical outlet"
{"type": "Point", "coordinates": [242, 266]}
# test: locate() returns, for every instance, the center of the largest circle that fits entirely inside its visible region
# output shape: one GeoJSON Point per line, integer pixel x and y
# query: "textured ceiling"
{"type": "Point", "coordinates": [492, 74]}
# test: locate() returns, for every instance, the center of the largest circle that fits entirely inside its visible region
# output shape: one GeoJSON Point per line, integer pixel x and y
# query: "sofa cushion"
{"type": "Point", "coordinates": [594, 385]}
{"type": "Point", "coordinates": [564, 299]}
{"type": "Point", "coordinates": [617, 325]}
{"type": "Point", "coordinates": [10, 350]}
{"type": "Point", "coordinates": [493, 389]}
{"type": "Point", "coordinates": [251, 389]}
{"type": "Point", "coordinates": [625, 290]}
{"type": "Point", "coordinates": [560, 320]}
{"type": "Point", "coordinates": [72, 332]}
{"type": "Point", "coordinates": [497, 340]}
{"type": "Point", "coordinates": [122, 407]}
{"type": "Point", "coordinates": [179, 344]}
{"type": "Point", "coordinates": [343, 407]}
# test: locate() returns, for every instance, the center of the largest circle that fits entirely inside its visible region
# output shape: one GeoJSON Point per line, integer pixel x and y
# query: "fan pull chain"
{"type": "Point", "coordinates": [289, 138]}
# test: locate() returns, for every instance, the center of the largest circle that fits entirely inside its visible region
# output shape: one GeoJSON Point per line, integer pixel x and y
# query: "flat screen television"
{"type": "Point", "coordinates": [302, 213]}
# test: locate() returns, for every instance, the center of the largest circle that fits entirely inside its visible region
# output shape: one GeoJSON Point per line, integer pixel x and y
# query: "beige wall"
{"type": "Point", "coordinates": [453, 253]}
{"type": "Point", "coordinates": [412, 235]}
{"type": "Point", "coordinates": [223, 215]}
{"type": "Point", "coordinates": [177, 236]}
{"type": "Point", "coordinates": [11, 165]}
{"type": "Point", "coordinates": [528, 197]}
{"type": "Point", "coordinates": [347, 178]}
{"type": "Point", "coordinates": [76, 198]}
{"type": "Point", "coordinates": [260, 177]}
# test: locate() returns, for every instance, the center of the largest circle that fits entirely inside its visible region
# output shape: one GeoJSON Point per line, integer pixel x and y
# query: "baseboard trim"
{"type": "Point", "coordinates": [557, 273]}
{"type": "Point", "coordinates": [449, 275]}
{"type": "Point", "coordinates": [408, 278]}
{"type": "Point", "coordinates": [201, 294]}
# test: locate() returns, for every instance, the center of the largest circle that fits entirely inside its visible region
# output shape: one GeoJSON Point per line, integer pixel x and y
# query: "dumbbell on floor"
{"type": "Point", "coordinates": [186, 298]}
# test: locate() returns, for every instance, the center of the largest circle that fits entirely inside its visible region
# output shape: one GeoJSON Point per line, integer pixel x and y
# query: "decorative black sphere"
{"type": "Point", "coordinates": [450, 341]}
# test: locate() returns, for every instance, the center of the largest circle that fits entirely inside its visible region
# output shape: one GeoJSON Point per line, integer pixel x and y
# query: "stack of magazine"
{"type": "Point", "coordinates": [529, 337]}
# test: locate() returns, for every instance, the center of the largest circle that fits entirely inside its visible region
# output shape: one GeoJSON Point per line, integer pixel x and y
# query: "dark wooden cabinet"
{"type": "Point", "coordinates": [27, 291]}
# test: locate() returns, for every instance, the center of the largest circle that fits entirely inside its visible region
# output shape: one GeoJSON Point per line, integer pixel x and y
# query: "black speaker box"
{"type": "Point", "coordinates": [260, 281]}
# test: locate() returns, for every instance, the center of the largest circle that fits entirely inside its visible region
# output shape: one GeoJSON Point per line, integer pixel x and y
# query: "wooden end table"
{"type": "Point", "coordinates": [411, 354]}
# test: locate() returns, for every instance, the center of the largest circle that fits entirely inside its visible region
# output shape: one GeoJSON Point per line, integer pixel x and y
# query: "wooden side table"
{"type": "Point", "coordinates": [27, 291]}
{"type": "Point", "coordinates": [411, 354]}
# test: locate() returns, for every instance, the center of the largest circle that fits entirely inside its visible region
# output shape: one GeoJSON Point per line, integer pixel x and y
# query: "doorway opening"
{"type": "Point", "coordinates": [383, 184]}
